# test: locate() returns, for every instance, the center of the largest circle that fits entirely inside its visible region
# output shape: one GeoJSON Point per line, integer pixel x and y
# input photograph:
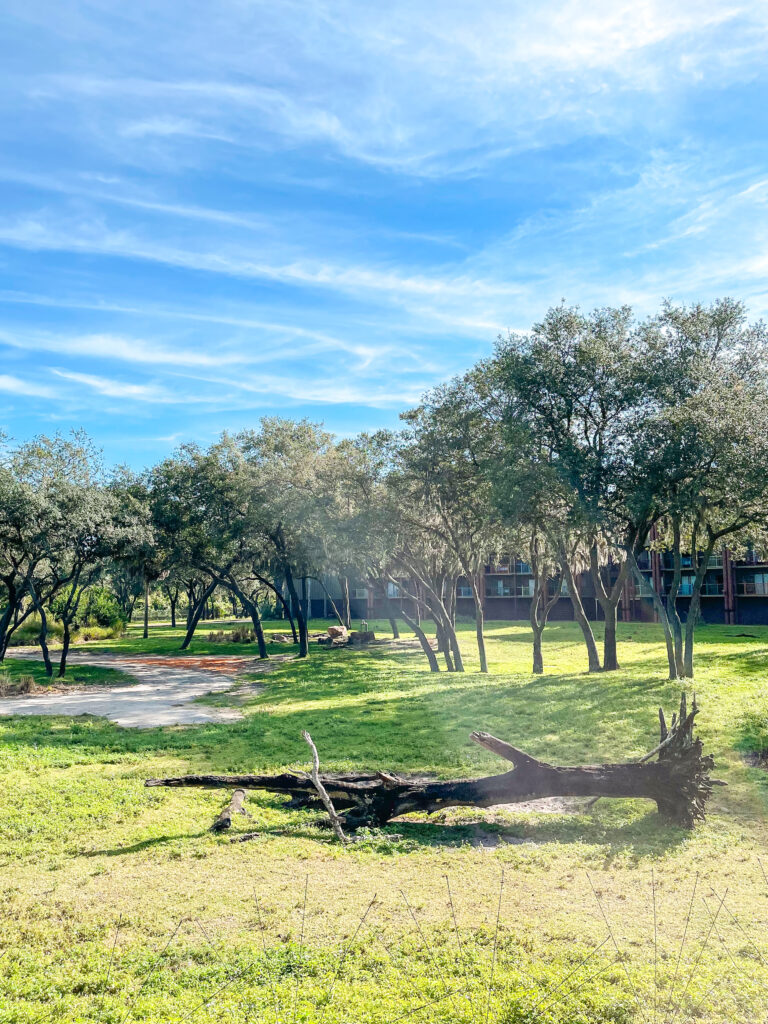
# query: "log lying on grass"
{"type": "Point", "coordinates": [235, 806]}
{"type": "Point", "coordinates": [678, 780]}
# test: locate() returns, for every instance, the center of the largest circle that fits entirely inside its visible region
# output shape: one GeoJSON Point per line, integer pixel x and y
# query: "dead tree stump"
{"type": "Point", "coordinates": [678, 780]}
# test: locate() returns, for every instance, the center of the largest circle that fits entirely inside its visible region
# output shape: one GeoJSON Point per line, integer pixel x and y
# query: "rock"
{"type": "Point", "coordinates": [280, 638]}
{"type": "Point", "coordinates": [337, 632]}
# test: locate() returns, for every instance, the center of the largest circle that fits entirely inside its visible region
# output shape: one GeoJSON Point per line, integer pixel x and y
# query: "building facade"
{"type": "Point", "coordinates": [735, 592]}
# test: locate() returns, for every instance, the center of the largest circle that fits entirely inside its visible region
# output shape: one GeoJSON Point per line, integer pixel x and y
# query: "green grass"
{"type": "Point", "coordinates": [83, 842]}
{"type": "Point", "coordinates": [76, 675]}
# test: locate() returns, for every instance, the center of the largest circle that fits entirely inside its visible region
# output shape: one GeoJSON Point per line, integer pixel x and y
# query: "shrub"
{"type": "Point", "coordinates": [239, 635]}
{"type": "Point", "coordinates": [100, 632]}
{"type": "Point", "coordinates": [754, 735]}
{"type": "Point", "coordinates": [26, 635]}
{"type": "Point", "coordinates": [100, 608]}
{"type": "Point", "coordinates": [14, 687]}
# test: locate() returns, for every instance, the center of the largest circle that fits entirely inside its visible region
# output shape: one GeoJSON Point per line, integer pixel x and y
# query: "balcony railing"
{"type": "Point", "coordinates": [752, 588]}
{"type": "Point", "coordinates": [707, 589]}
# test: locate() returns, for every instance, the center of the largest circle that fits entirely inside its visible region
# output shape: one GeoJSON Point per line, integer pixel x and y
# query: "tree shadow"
{"type": "Point", "coordinates": [143, 844]}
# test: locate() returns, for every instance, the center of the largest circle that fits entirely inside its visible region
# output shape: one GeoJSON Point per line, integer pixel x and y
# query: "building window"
{"type": "Point", "coordinates": [522, 568]}
{"type": "Point", "coordinates": [360, 593]}
{"type": "Point", "coordinates": [393, 590]}
{"type": "Point", "coordinates": [686, 586]}
{"type": "Point", "coordinates": [498, 588]}
{"type": "Point", "coordinates": [754, 584]}
{"type": "Point", "coordinates": [463, 590]}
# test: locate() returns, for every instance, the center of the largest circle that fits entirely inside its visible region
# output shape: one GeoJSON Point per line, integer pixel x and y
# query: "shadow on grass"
{"type": "Point", "coordinates": [644, 837]}
{"type": "Point", "coordinates": [143, 844]}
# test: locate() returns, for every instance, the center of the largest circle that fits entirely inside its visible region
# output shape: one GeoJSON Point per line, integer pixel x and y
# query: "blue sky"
{"type": "Point", "coordinates": [214, 212]}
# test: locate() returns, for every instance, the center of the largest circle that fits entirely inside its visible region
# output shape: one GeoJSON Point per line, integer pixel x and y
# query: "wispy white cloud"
{"type": "Point", "coordinates": [92, 237]}
{"type": "Point", "coordinates": [166, 127]}
{"type": "Point", "coordinates": [119, 388]}
{"type": "Point", "coordinates": [401, 89]}
{"type": "Point", "coordinates": [327, 208]}
{"type": "Point", "coordinates": [17, 386]}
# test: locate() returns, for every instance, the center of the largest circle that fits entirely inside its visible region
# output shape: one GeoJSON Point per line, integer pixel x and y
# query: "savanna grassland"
{"type": "Point", "coordinates": [119, 904]}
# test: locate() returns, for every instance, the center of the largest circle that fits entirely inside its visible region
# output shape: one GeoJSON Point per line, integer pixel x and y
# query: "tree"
{"type": "Point", "coordinates": [581, 388]}
{"type": "Point", "coordinates": [294, 481]}
{"type": "Point", "coordinates": [701, 452]}
{"type": "Point", "coordinates": [206, 515]}
{"type": "Point", "coordinates": [442, 451]}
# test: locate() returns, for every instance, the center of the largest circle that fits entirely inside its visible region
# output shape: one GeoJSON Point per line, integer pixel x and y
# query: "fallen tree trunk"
{"type": "Point", "coordinates": [235, 806]}
{"type": "Point", "coordinates": [678, 781]}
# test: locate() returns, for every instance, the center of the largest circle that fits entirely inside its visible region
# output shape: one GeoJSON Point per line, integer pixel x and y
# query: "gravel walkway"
{"type": "Point", "coordinates": [163, 695]}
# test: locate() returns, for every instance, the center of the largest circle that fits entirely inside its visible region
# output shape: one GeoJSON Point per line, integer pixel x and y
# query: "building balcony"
{"type": "Point", "coordinates": [752, 588]}
{"type": "Point", "coordinates": [686, 562]}
{"type": "Point", "coordinates": [707, 590]}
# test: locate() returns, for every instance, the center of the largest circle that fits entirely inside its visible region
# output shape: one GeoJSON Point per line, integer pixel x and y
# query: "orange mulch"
{"type": "Point", "coordinates": [212, 662]}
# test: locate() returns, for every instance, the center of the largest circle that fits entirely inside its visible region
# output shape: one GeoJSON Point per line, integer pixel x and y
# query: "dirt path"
{"type": "Point", "coordinates": [164, 694]}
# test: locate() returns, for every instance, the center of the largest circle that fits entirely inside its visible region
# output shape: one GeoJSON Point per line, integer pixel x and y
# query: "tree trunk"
{"type": "Point", "coordinates": [287, 613]}
{"type": "Point", "coordinates": [43, 638]}
{"type": "Point", "coordinates": [479, 621]}
{"type": "Point", "coordinates": [173, 601]}
{"type": "Point", "coordinates": [541, 602]}
{"type": "Point", "coordinates": [579, 614]}
{"type": "Point", "coordinates": [443, 645]}
{"type": "Point", "coordinates": [694, 608]}
{"type": "Point", "coordinates": [679, 782]}
{"type": "Point", "coordinates": [610, 653]}
{"type": "Point", "coordinates": [196, 615]}
{"type": "Point", "coordinates": [609, 602]}
{"type": "Point", "coordinates": [421, 636]}
{"type": "Point", "coordinates": [674, 589]}
{"type": "Point", "coordinates": [538, 658]}
{"type": "Point", "coordinates": [662, 613]}
{"type": "Point", "coordinates": [146, 608]}
{"type": "Point", "coordinates": [298, 611]}
{"type": "Point", "coordinates": [441, 615]}
{"type": "Point", "coordinates": [65, 642]}
{"type": "Point", "coordinates": [347, 607]}
{"type": "Point", "coordinates": [252, 608]}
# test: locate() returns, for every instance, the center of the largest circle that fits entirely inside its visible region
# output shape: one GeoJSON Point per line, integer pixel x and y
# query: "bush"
{"type": "Point", "coordinates": [100, 632]}
{"type": "Point", "coordinates": [99, 607]}
{"type": "Point", "coordinates": [14, 687]}
{"type": "Point", "coordinates": [754, 735]}
{"type": "Point", "coordinates": [26, 635]}
{"type": "Point", "coordinates": [239, 635]}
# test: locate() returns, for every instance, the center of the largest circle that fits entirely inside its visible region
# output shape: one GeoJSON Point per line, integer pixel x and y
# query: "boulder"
{"type": "Point", "coordinates": [337, 632]}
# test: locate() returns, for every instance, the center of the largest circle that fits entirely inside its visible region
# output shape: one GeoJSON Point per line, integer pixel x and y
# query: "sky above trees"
{"type": "Point", "coordinates": [213, 212]}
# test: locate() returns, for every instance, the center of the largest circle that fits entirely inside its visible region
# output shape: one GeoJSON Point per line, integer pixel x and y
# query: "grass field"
{"type": "Point", "coordinates": [76, 675]}
{"type": "Point", "coordinates": [85, 847]}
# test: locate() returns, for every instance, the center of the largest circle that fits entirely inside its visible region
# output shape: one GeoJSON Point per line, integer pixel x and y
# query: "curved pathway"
{"type": "Point", "coordinates": [163, 695]}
